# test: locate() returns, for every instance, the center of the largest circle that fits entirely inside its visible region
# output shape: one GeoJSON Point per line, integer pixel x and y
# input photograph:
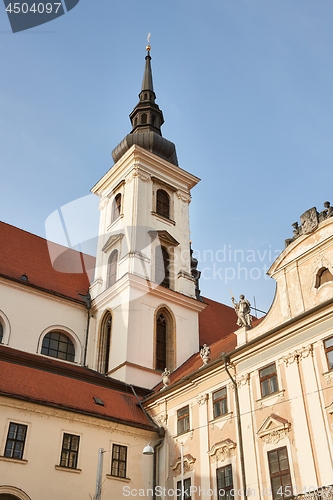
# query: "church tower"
{"type": "Point", "coordinates": [145, 301]}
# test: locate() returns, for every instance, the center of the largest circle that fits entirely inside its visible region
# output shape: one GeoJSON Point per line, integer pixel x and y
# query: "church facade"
{"type": "Point", "coordinates": [245, 406]}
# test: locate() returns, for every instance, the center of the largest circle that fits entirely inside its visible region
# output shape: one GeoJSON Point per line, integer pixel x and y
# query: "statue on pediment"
{"type": "Point", "coordinates": [243, 311]}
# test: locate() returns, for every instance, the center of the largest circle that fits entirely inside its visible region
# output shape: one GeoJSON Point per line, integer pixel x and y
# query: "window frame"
{"type": "Point", "coordinates": [1, 332]}
{"type": "Point", "coordinates": [118, 461]}
{"type": "Point", "coordinates": [70, 357]}
{"type": "Point", "coordinates": [220, 402]}
{"type": "Point", "coordinates": [183, 420]}
{"type": "Point", "coordinates": [328, 350]}
{"type": "Point", "coordinates": [269, 377]}
{"type": "Point", "coordinates": [116, 207]}
{"type": "Point", "coordinates": [162, 256]}
{"type": "Point", "coordinates": [74, 452]}
{"type": "Point", "coordinates": [187, 489]}
{"type": "Point", "coordinates": [8, 452]}
{"type": "Point", "coordinates": [279, 474]}
{"type": "Point", "coordinates": [226, 488]}
{"type": "Point", "coordinates": [163, 206]}
{"type": "Point", "coordinates": [112, 268]}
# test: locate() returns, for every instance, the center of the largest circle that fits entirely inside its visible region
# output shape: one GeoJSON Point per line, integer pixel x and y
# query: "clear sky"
{"type": "Point", "coordinates": [246, 89]}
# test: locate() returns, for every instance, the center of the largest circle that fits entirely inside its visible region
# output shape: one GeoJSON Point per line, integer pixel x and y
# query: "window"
{"type": "Point", "coordinates": [220, 406]}
{"type": "Point", "coordinates": [323, 276]}
{"type": "Point", "coordinates": [1, 332]}
{"type": "Point", "coordinates": [58, 345]}
{"type": "Point", "coordinates": [15, 440]}
{"type": "Point", "coordinates": [187, 489]}
{"type": "Point", "coordinates": [268, 380]}
{"type": "Point", "coordinates": [279, 473]}
{"type": "Point", "coordinates": [163, 203]}
{"type": "Point", "coordinates": [116, 208]}
{"type": "Point", "coordinates": [162, 265]}
{"type": "Point", "coordinates": [161, 333]}
{"type": "Point", "coordinates": [104, 344]}
{"type": "Point", "coordinates": [183, 420]}
{"type": "Point", "coordinates": [329, 352]}
{"type": "Point", "coordinates": [119, 458]}
{"type": "Point", "coordinates": [224, 482]}
{"type": "Point", "coordinates": [112, 268]}
{"type": "Point", "coordinates": [70, 451]}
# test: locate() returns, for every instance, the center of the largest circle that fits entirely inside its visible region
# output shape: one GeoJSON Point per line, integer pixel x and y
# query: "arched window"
{"type": "Point", "coordinates": [104, 344]}
{"type": "Point", "coordinates": [163, 203]}
{"type": "Point", "coordinates": [112, 268]}
{"type": "Point", "coordinates": [164, 340]}
{"type": "Point", "coordinates": [323, 276]}
{"type": "Point", "coordinates": [58, 345]}
{"type": "Point", "coordinates": [144, 118]}
{"type": "Point", "coordinates": [162, 267]}
{"type": "Point", "coordinates": [116, 208]}
{"type": "Point", "coordinates": [1, 332]}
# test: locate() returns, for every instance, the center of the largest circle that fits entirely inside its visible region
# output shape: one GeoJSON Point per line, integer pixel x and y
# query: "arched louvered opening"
{"type": "Point", "coordinates": [104, 342]}
{"type": "Point", "coordinates": [116, 208]}
{"type": "Point", "coordinates": [323, 276]}
{"type": "Point", "coordinates": [162, 267]}
{"type": "Point", "coordinates": [164, 340]}
{"type": "Point", "coordinates": [112, 268]}
{"type": "Point", "coordinates": [163, 203]}
{"type": "Point", "coordinates": [144, 118]}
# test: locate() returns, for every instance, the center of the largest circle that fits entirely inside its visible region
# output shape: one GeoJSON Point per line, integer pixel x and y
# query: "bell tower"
{"type": "Point", "coordinates": [145, 301]}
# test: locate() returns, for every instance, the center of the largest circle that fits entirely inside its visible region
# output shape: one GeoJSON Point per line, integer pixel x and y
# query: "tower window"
{"type": "Point", "coordinates": [163, 203]}
{"type": "Point", "coordinates": [144, 118]}
{"type": "Point", "coordinates": [323, 276]}
{"type": "Point", "coordinates": [116, 208]}
{"type": "Point", "coordinates": [162, 267]}
{"type": "Point", "coordinates": [112, 268]}
{"type": "Point", "coordinates": [1, 332]}
{"type": "Point", "coordinates": [58, 345]}
{"type": "Point", "coordinates": [104, 344]}
{"type": "Point", "coordinates": [161, 341]}
{"type": "Point", "coordinates": [153, 119]}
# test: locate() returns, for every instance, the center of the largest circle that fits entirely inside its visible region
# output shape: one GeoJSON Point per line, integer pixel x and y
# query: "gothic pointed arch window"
{"type": "Point", "coordinates": [164, 340]}
{"type": "Point", "coordinates": [162, 266]}
{"type": "Point", "coordinates": [163, 203]}
{"type": "Point", "coordinates": [112, 268]}
{"type": "Point", "coordinates": [324, 275]}
{"type": "Point", "coordinates": [104, 342]}
{"type": "Point", "coordinates": [116, 208]}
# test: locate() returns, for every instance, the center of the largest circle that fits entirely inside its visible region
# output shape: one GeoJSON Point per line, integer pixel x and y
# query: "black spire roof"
{"type": "Point", "coordinates": [147, 119]}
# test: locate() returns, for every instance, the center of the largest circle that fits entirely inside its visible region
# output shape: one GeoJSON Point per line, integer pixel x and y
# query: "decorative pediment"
{"type": "Point", "coordinates": [274, 428]}
{"type": "Point", "coordinates": [164, 236]}
{"type": "Point", "coordinates": [188, 462]}
{"type": "Point", "coordinates": [222, 450]}
{"type": "Point", "coordinates": [111, 241]}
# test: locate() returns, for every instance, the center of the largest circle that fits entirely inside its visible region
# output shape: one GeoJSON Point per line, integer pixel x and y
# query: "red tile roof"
{"type": "Point", "coordinates": [216, 321]}
{"type": "Point", "coordinates": [23, 253]}
{"type": "Point", "coordinates": [29, 377]}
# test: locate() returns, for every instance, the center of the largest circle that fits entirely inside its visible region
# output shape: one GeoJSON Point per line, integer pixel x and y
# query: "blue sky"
{"type": "Point", "coordinates": [246, 90]}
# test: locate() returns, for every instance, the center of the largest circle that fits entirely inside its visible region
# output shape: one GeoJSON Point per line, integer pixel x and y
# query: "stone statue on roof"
{"type": "Point", "coordinates": [205, 353]}
{"type": "Point", "coordinates": [297, 232]}
{"type": "Point", "coordinates": [243, 311]}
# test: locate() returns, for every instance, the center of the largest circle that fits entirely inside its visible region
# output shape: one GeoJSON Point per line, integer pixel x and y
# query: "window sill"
{"type": "Point", "coordinates": [185, 433]}
{"type": "Point", "coordinates": [13, 460]}
{"type": "Point", "coordinates": [225, 416]}
{"type": "Point", "coordinates": [163, 218]}
{"type": "Point", "coordinates": [117, 478]}
{"type": "Point", "coordinates": [68, 469]}
{"type": "Point", "coordinates": [271, 399]}
{"type": "Point", "coordinates": [113, 223]}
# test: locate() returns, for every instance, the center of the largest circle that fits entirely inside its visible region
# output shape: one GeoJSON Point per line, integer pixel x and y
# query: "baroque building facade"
{"type": "Point", "coordinates": [241, 412]}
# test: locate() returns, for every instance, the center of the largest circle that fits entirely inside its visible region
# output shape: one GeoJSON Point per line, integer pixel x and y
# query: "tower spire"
{"type": "Point", "coordinates": [147, 119]}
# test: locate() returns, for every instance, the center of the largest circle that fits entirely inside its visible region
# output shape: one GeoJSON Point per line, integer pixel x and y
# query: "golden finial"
{"type": "Point", "coordinates": [148, 40]}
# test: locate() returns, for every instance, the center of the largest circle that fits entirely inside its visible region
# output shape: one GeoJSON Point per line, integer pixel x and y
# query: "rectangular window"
{"type": "Point", "coordinates": [183, 420]}
{"type": "Point", "coordinates": [268, 380]}
{"type": "Point", "coordinates": [15, 440]}
{"type": "Point", "coordinates": [329, 352]}
{"type": "Point", "coordinates": [279, 473]}
{"type": "Point", "coordinates": [220, 406]}
{"type": "Point", "coordinates": [70, 451]}
{"type": "Point", "coordinates": [187, 491]}
{"type": "Point", "coordinates": [224, 483]}
{"type": "Point", "coordinates": [119, 459]}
